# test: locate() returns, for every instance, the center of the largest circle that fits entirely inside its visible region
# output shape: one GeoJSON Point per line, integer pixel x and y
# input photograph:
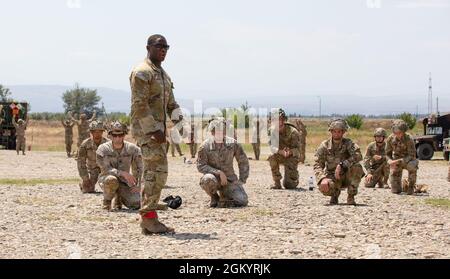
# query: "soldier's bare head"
{"type": "Point", "coordinates": [83, 116]}
{"type": "Point", "coordinates": [157, 48]}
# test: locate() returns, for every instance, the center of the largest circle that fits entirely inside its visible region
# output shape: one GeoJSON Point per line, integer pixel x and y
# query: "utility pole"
{"type": "Point", "coordinates": [320, 107]}
{"type": "Point", "coordinates": [430, 96]}
{"type": "Point", "coordinates": [437, 106]}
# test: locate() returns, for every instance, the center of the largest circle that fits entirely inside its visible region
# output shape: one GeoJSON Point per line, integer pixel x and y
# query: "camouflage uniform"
{"type": "Point", "coordinates": [111, 163]}
{"type": "Point", "coordinates": [212, 159]}
{"type": "Point", "coordinates": [290, 138]}
{"type": "Point", "coordinates": [303, 133]}
{"type": "Point", "coordinates": [256, 139]}
{"type": "Point", "coordinates": [378, 168]}
{"type": "Point", "coordinates": [151, 100]}
{"type": "Point", "coordinates": [193, 145]}
{"type": "Point", "coordinates": [83, 128]}
{"type": "Point", "coordinates": [329, 156]}
{"type": "Point", "coordinates": [87, 163]}
{"type": "Point", "coordinates": [404, 150]}
{"type": "Point", "coordinates": [68, 131]}
{"type": "Point", "coordinates": [20, 126]}
{"type": "Point", "coordinates": [175, 140]}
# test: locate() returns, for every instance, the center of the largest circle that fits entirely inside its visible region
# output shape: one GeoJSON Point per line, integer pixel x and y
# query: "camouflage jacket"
{"type": "Point", "coordinates": [112, 161]}
{"type": "Point", "coordinates": [87, 157]}
{"type": "Point", "coordinates": [290, 138]}
{"type": "Point", "coordinates": [68, 129]}
{"type": "Point", "coordinates": [400, 149]}
{"type": "Point", "coordinates": [328, 156]}
{"type": "Point", "coordinates": [212, 159]}
{"type": "Point", "coordinates": [83, 126]}
{"type": "Point", "coordinates": [151, 100]}
{"type": "Point", "coordinates": [20, 128]}
{"type": "Point", "coordinates": [370, 164]}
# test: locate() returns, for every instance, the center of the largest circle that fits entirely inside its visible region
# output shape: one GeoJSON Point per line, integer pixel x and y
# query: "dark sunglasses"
{"type": "Point", "coordinates": [117, 135]}
{"type": "Point", "coordinates": [160, 46]}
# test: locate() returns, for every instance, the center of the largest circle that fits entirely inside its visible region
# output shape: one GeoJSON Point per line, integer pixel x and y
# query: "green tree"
{"type": "Point", "coordinates": [355, 121]}
{"type": "Point", "coordinates": [5, 94]}
{"type": "Point", "coordinates": [409, 119]}
{"type": "Point", "coordinates": [79, 100]}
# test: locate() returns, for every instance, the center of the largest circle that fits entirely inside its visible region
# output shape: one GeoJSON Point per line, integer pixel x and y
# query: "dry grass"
{"type": "Point", "coordinates": [49, 135]}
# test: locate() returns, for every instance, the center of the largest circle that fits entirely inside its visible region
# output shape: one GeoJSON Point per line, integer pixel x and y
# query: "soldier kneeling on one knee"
{"type": "Point", "coordinates": [116, 159]}
{"type": "Point", "coordinates": [375, 161]}
{"type": "Point", "coordinates": [215, 161]}
{"type": "Point", "coordinates": [401, 154]}
{"type": "Point", "coordinates": [336, 164]}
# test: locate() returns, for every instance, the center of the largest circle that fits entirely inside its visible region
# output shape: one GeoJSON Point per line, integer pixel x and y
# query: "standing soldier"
{"type": "Point", "coordinates": [401, 154]}
{"type": "Point", "coordinates": [285, 151]}
{"type": "Point", "coordinates": [215, 161]}
{"type": "Point", "coordinates": [256, 138]}
{"type": "Point", "coordinates": [336, 164]}
{"type": "Point", "coordinates": [115, 159]}
{"type": "Point", "coordinates": [193, 145]}
{"type": "Point", "coordinates": [151, 100]}
{"type": "Point", "coordinates": [20, 126]}
{"type": "Point", "coordinates": [375, 161]}
{"type": "Point", "coordinates": [301, 127]}
{"type": "Point", "coordinates": [87, 163]}
{"type": "Point", "coordinates": [83, 126]}
{"type": "Point", "coordinates": [175, 140]}
{"type": "Point", "coordinates": [68, 131]}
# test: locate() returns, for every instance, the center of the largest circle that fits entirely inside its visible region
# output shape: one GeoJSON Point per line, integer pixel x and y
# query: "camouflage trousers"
{"type": "Point", "coordinates": [89, 186]}
{"type": "Point", "coordinates": [395, 176]}
{"type": "Point", "coordinates": [114, 188]}
{"type": "Point", "coordinates": [155, 176]}
{"type": "Point", "coordinates": [20, 144]}
{"type": "Point", "coordinates": [233, 193]}
{"type": "Point", "coordinates": [290, 170]}
{"type": "Point", "coordinates": [350, 180]}
{"type": "Point", "coordinates": [257, 150]}
{"type": "Point", "coordinates": [380, 176]}
{"type": "Point", "coordinates": [68, 142]}
{"type": "Point", "coordinates": [193, 149]}
{"type": "Point", "coordinates": [176, 146]}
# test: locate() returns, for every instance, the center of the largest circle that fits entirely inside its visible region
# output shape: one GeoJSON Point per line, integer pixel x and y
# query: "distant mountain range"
{"type": "Point", "coordinates": [47, 98]}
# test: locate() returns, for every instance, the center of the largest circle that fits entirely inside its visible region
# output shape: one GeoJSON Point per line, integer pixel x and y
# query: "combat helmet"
{"type": "Point", "coordinates": [399, 126]}
{"type": "Point", "coordinates": [380, 132]}
{"type": "Point", "coordinates": [338, 123]}
{"type": "Point", "coordinates": [117, 128]}
{"type": "Point", "coordinates": [96, 126]}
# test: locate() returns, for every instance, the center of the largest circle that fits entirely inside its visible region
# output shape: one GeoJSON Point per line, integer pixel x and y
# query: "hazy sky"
{"type": "Point", "coordinates": [229, 49]}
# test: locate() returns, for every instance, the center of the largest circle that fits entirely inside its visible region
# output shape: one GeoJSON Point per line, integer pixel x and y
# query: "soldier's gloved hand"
{"type": "Point", "coordinates": [159, 136]}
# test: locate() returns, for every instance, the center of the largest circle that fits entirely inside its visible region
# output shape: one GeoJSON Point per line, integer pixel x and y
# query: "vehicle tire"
{"type": "Point", "coordinates": [446, 156]}
{"type": "Point", "coordinates": [425, 151]}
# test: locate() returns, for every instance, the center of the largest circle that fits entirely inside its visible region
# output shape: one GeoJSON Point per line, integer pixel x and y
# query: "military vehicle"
{"type": "Point", "coordinates": [8, 110]}
{"type": "Point", "coordinates": [436, 129]}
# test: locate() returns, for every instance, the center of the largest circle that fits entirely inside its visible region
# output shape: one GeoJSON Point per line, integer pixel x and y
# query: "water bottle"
{"type": "Point", "coordinates": [311, 183]}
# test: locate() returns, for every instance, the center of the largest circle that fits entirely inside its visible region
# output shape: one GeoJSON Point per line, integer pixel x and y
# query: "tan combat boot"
{"type": "Point", "coordinates": [106, 205]}
{"type": "Point", "coordinates": [117, 203]}
{"type": "Point", "coordinates": [334, 200]}
{"type": "Point", "coordinates": [153, 226]}
{"type": "Point", "coordinates": [214, 200]}
{"type": "Point", "coordinates": [351, 200]}
{"type": "Point", "coordinates": [277, 185]}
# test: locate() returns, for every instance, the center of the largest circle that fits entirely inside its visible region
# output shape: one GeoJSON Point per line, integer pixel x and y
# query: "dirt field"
{"type": "Point", "coordinates": [54, 220]}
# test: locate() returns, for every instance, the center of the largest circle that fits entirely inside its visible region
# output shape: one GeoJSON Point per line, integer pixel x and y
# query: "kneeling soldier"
{"type": "Point", "coordinates": [215, 161]}
{"type": "Point", "coordinates": [116, 158]}
{"type": "Point", "coordinates": [336, 164]}
{"type": "Point", "coordinates": [375, 161]}
{"type": "Point", "coordinates": [88, 168]}
{"type": "Point", "coordinates": [401, 154]}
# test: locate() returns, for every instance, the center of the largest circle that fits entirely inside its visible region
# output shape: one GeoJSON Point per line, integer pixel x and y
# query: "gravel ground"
{"type": "Point", "coordinates": [57, 221]}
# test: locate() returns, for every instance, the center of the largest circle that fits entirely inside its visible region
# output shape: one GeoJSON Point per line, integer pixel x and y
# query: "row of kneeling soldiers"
{"type": "Point", "coordinates": [118, 166]}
